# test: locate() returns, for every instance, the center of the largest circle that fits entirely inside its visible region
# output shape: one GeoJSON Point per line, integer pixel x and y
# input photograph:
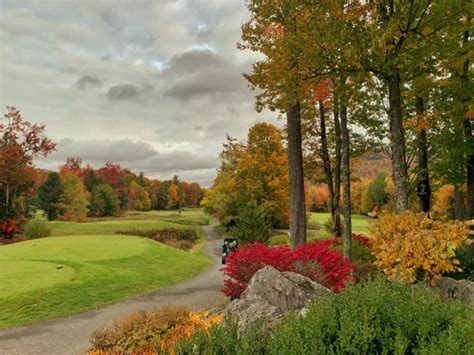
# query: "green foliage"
{"type": "Point", "coordinates": [252, 226]}
{"type": "Point", "coordinates": [466, 264]}
{"type": "Point", "coordinates": [279, 239]}
{"type": "Point", "coordinates": [37, 228]}
{"type": "Point", "coordinates": [225, 339]}
{"type": "Point", "coordinates": [103, 201]}
{"type": "Point", "coordinates": [374, 317]}
{"type": "Point", "coordinates": [49, 196]}
{"type": "Point", "coordinates": [376, 194]}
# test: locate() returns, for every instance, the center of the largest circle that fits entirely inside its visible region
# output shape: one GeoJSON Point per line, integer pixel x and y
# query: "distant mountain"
{"type": "Point", "coordinates": [370, 164]}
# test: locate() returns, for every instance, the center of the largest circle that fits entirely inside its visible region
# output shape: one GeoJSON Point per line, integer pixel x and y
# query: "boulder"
{"type": "Point", "coordinates": [456, 289]}
{"type": "Point", "coordinates": [271, 294]}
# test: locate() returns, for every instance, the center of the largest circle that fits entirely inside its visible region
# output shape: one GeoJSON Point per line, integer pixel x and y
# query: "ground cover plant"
{"type": "Point", "coordinates": [374, 317]}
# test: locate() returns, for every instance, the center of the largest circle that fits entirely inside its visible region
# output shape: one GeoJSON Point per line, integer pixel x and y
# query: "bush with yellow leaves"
{"type": "Point", "coordinates": [143, 332]}
{"type": "Point", "coordinates": [411, 247]}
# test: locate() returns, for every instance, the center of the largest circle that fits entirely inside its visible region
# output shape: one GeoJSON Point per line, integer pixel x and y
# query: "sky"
{"type": "Point", "coordinates": [152, 85]}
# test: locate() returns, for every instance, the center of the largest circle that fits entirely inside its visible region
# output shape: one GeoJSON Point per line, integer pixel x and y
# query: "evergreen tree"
{"type": "Point", "coordinates": [104, 202]}
{"type": "Point", "coordinates": [49, 195]}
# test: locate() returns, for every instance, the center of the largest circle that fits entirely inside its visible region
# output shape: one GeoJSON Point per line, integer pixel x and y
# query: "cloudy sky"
{"type": "Point", "coordinates": [151, 84]}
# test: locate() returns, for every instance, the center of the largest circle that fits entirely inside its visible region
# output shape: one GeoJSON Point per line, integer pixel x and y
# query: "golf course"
{"type": "Point", "coordinates": [83, 266]}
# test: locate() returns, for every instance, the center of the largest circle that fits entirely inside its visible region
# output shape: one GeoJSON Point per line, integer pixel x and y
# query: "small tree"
{"type": "Point", "coordinates": [103, 201]}
{"type": "Point", "coordinates": [252, 225]}
{"type": "Point", "coordinates": [49, 195]}
{"type": "Point", "coordinates": [376, 194]}
{"type": "Point", "coordinates": [74, 199]}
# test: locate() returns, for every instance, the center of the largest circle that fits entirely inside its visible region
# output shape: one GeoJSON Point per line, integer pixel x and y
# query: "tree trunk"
{"type": "Point", "coordinates": [346, 182]}
{"type": "Point", "coordinates": [397, 143]}
{"type": "Point", "coordinates": [324, 153]}
{"type": "Point", "coordinates": [423, 185]}
{"type": "Point", "coordinates": [337, 177]}
{"type": "Point", "coordinates": [295, 176]}
{"type": "Point", "coordinates": [468, 133]}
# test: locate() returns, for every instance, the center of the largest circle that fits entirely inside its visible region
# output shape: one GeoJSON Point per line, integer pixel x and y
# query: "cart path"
{"type": "Point", "coordinates": [70, 335]}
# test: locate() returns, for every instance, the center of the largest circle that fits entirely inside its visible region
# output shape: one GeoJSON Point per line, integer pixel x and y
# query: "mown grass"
{"type": "Point", "coordinates": [360, 223]}
{"type": "Point", "coordinates": [84, 266]}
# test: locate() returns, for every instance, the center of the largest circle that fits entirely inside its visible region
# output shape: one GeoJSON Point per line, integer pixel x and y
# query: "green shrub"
{"type": "Point", "coordinates": [37, 228]}
{"type": "Point", "coordinates": [225, 339]}
{"type": "Point", "coordinates": [279, 239]}
{"type": "Point", "coordinates": [252, 226]}
{"type": "Point", "coordinates": [373, 317]}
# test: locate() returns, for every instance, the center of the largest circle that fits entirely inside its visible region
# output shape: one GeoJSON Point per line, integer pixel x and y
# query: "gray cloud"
{"type": "Point", "coordinates": [122, 92]}
{"type": "Point", "coordinates": [88, 81]}
{"type": "Point", "coordinates": [163, 81]}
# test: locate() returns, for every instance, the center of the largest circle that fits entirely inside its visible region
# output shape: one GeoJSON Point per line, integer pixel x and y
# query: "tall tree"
{"type": "Point", "coordinates": [20, 142]}
{"type": "Point", "coordinates": [49, 196]}
{"type": "Point", "coordinates": [273, 31]}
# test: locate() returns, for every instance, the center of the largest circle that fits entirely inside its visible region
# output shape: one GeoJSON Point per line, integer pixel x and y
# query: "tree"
{"type": "Point", "coordinates": [49, 196]}
{"type": "Point", "coordinates": [376, 194]}
{"type": "Point", "coordinates": [91, 180]}
{"type": "Point", "coordinates": [272, 30]}
{"type": "Point", "coordinates": [139, 197]}
{"type": "Point", "coordinates": [103, 201]}
{"type": "Point", "coordinates": [173, 197]}
{"type": "Point", "coordinates": [20, 142]}
{"type": "Point", "coordinates": [74, 198]}
{"type": "Point", "coordinates": [253, 173]}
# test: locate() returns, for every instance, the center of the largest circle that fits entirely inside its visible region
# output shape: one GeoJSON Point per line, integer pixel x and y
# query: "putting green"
{"type": "Point", "coordinates": [76, 248]}
{"type": "Point", "coordinates": [25, 276]}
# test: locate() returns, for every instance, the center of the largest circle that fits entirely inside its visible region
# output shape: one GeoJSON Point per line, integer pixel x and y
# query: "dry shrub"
{"type": "Point", "coordinates": [141, 333]}
{"type": "Point", "coordinates": [410, 246]}
{"type": "Point", "coordinates": [178, 238]}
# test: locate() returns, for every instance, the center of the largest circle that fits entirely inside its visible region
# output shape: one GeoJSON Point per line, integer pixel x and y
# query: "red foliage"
{"type": "Point", "coordinates": [9, 228]}
{"type": "Point", "coordinates": [315, 260]}
{"type": "Point", "coordinates": [112, 174]}
{"type": "Point", "coordinates": [362, 239]}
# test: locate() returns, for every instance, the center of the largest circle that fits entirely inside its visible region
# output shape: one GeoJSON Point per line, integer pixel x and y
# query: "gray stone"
{"type": "Point", "coordinates": [271, 294]}
{"type": "Point", "coordinates": [456, 289]}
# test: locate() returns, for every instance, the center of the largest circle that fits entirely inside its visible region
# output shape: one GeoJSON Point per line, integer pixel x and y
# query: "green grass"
{"type": "Point", "coordinates": [85, 265]}
{"type": "Point", "coordinates": [359, 223]}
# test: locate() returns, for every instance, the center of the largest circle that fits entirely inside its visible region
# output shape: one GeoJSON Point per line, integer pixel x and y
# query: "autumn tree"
{"type": "Point", "coordinates": [74, 202]}
{"type": "Point", "coordinates": [49, 196]}
{"type": "Point", "coordinates": [20, 142]}
{"type": "Point", "coordinates": [273, 31]}
{"type": "Point", "coordinates": [253, 173]}
{"type": "Point", "coordinates": [103, 201]}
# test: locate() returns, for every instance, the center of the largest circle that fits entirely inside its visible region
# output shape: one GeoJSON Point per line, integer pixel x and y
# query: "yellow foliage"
{"type": "Point", "coordinates": [410, 246]}
{"type": "Point", "coordinates": [196, 321]}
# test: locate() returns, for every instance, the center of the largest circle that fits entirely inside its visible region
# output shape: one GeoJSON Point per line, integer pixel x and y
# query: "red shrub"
{"type": "Point", "coordinates": [362, 239]}
{"type": "Point", "coordinates": [315, 260]}
{"type": "Point", "coordinates": [9, 228]}
{"type": "Point", "coordinates": [334, 271]}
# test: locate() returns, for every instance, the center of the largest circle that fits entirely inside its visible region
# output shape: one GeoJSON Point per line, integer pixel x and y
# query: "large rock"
{"type": "Point", "coordinates": [271, 294]}
{"type": "Point", "coordinates": [452, 289]}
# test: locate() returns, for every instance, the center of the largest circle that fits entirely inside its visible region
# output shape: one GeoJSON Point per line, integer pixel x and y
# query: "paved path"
{"type": "Point", "coordinates": [71, 335]}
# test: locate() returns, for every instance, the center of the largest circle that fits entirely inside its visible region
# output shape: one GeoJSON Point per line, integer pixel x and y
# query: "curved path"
{"type": "Point", "coordinates": [71, 335]}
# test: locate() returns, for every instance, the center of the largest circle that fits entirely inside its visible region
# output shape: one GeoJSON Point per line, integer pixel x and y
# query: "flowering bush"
{"type": "Point", "coordinates": [410, 246]}
{"type": "Point", "coordinates": [315, 260]}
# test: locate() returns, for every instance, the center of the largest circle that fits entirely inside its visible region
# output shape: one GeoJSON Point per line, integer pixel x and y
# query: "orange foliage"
{"type": "Point", "coordinates": [410, 246]}
{"type": "Point", "coordinates": [443, 200]}
{"type": "Point", "coordinates": [320, 197]}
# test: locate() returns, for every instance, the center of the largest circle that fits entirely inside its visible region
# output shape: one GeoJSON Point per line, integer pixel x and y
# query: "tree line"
{"type": "Point", "coordinates": [75, 192]}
